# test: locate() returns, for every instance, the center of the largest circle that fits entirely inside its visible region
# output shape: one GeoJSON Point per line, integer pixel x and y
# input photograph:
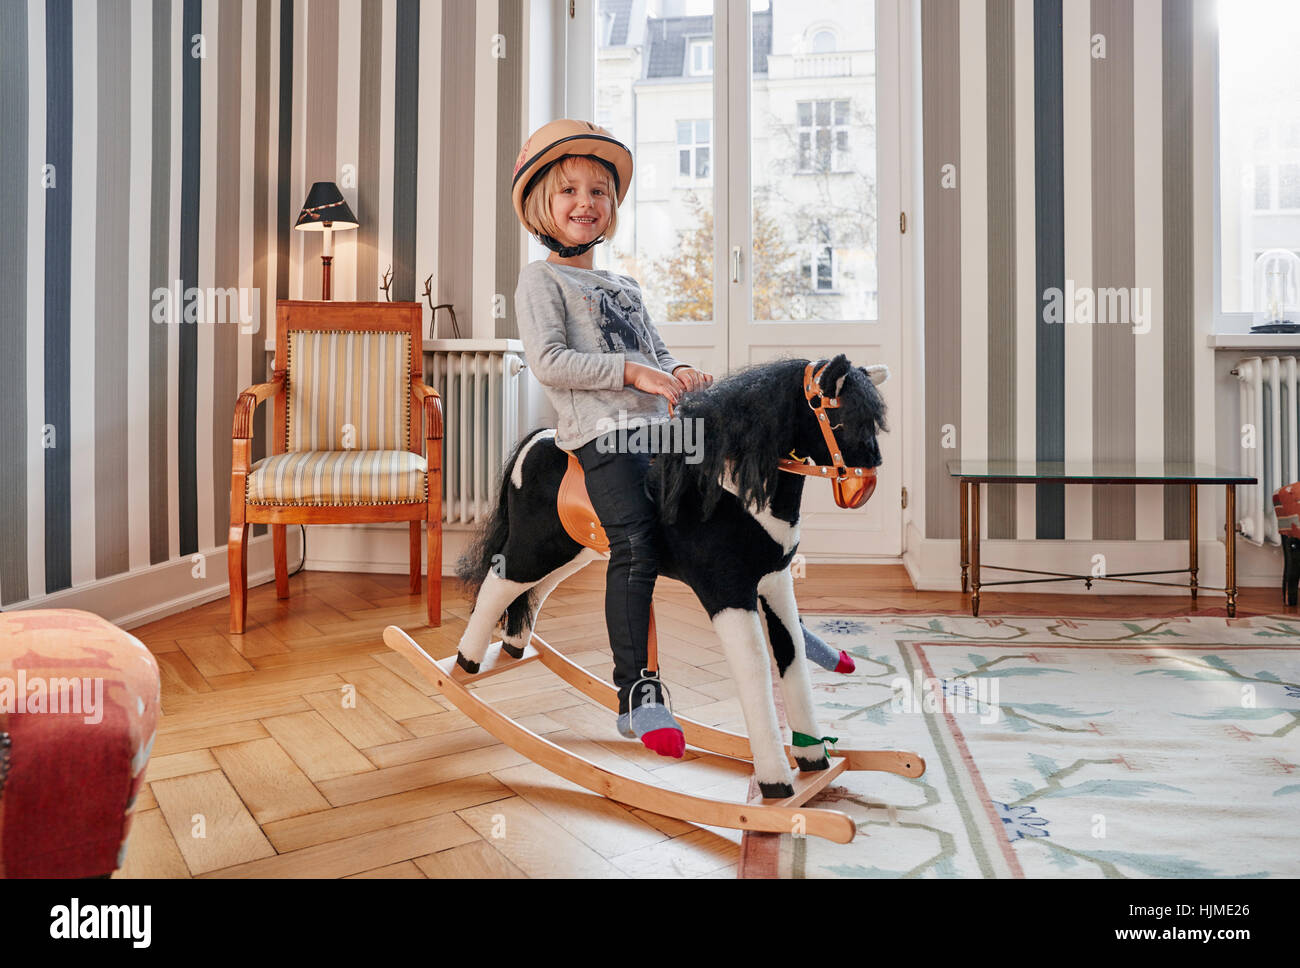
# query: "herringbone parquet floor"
{"type": "Point", "coordinates": [306, 748]}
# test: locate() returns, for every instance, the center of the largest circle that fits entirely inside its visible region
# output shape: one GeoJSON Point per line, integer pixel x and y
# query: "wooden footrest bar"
{"type": "Point", "coordinates": [494, 663]}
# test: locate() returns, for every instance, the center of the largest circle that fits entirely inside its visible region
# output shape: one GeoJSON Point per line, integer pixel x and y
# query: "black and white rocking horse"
{"type": "Point", "coordinates": [729, 527]}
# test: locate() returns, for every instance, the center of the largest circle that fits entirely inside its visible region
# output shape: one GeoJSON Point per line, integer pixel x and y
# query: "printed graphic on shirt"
{"type": "Point", "coordinates": [620, 319]}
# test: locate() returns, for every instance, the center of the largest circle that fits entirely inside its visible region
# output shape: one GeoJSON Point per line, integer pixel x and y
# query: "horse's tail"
{"type": "Point", "coordinates": [473, 567]}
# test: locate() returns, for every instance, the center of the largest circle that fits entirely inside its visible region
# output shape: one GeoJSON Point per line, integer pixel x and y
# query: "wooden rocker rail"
{"type": "Point", "coordinates": [711, 738]}
{"type": "Point", "coordinates": [775, 816]}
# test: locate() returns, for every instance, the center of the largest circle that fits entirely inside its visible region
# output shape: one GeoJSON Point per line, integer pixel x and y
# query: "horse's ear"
{"type": "Point", "coordinates": [877, 373]}
{"type": "Point", "coordinates": [832, 378]}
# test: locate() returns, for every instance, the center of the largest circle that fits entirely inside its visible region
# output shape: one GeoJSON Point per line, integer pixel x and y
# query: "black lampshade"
{"type": "Point", "coordinates": [325, 203]}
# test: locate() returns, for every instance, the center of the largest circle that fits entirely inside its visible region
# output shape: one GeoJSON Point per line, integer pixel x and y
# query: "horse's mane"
{"type": "Point", "coordinates": [742, 417]}
{"type": "Point", "coordinates": [746, 420]}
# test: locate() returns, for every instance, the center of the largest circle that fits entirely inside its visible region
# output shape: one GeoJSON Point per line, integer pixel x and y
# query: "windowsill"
{"type": "Point", "coordinates": [1253, 341]}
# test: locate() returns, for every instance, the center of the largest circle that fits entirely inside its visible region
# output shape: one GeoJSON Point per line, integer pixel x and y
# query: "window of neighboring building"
{"type": "Point", "coordinates": [823, 42]}
{"type": "Point", "coordinates": [694, 141]}
{"type": "Point", "coordinates": [1288, 186]}
{"type": "Point", "coordinates": [823, 130]}
{"type": "Point", "coordinates": [819, 266]}
{"type": "Point", "coordinates": [700, 56]}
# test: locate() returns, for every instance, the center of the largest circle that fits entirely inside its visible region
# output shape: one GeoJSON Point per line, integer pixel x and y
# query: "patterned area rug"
{"type": "Point", "coordinates": [1062, 748]}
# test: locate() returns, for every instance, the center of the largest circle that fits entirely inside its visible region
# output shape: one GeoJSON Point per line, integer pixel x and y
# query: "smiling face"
{"type": "Point", "coordinates": [582, 202]}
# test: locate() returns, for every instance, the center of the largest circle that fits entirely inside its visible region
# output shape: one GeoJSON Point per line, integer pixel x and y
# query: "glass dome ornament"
{"type": "Point", "coordinates": [1277, 292]}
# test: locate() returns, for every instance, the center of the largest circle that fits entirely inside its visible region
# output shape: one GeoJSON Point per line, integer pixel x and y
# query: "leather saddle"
{"type": "Point", "coordinates": [575, 510]}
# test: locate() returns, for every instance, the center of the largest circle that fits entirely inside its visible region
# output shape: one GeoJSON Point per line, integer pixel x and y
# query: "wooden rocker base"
{"type": "Point", "coordinates": [773, 816]}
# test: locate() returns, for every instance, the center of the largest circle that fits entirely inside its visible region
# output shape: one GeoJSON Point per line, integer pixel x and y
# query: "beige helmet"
{"type": "Point", "coordinates": [561, 139]}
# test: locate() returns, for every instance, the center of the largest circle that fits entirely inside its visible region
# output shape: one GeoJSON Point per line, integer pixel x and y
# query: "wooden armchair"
{"type": "Point", "coordinates": [349, 394]}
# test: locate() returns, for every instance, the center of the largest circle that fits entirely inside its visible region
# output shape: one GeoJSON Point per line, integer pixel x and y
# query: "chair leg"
{"type": "Point", "coordinates": [280, 547]}
{"type": "Point", "coordinates": [434, 595]}
{"type": "Point", "coordinates": [416, 552]}
{"type": "Point", "coordinates": [237, 564]}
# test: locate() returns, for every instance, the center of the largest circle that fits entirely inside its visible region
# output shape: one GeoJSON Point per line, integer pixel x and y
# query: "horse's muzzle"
{"type": "Point", "coordinates": [853, 492]}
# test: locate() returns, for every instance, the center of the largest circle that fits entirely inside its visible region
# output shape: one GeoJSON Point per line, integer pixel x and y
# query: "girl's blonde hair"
{"type": "Point", "coordinates": [537, 206]}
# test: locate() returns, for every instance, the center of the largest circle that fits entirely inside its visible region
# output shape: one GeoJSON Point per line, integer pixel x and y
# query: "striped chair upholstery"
{"type": "Point", "coordinates": [348, 390]}
{"type": "Point", "coordinates": [338, 477]}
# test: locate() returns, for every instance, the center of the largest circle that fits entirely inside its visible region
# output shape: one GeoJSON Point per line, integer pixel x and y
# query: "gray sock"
{"type": "Point", "coordinates": [646, 719]}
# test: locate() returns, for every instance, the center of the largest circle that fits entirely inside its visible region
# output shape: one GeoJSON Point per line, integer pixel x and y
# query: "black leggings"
{"type": "Point", "coordinates": [616, 483]}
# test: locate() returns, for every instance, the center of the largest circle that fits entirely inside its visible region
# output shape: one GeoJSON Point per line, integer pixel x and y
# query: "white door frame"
{"type": "Point", "coordinates": [827, 532]}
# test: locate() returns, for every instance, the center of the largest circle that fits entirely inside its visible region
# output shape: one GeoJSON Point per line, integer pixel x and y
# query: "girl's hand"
{"type": "Point", "coordinates": [650, 380]}
{"type": "Point", "coordinates": [692, 378]}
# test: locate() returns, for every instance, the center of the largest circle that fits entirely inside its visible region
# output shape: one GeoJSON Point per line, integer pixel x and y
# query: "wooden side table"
{"type": "Point", "coordinates": [972, 473]}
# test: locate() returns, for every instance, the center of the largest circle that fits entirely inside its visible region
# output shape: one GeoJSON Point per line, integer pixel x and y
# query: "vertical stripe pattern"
{"type": "Point", "coordinates": [1113, 424]}
{"type": "Point", "coordinates": [456, 226]}
{"type": "Point", "coordinates": [18, 422]}
{"type": "Point", "coordinates": [112, 313]}
{"type": "Point", "coordinates": [406, 124]}
{"type": "Point", "coordinates": [1049, 229]}
{"type": "Point", "coordinates": [941, 134]}
{"type": "Point", "coordinates": [1001, 107]}
{"type": "Point", "coordinates": [1179, 267]}
{"type": "Point", "coordinates": [56, 431]}
{"type": "Point", "coordinates": [1081, 115]}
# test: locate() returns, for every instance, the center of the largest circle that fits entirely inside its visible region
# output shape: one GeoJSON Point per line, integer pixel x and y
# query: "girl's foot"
{"type": "Point", "coordinates": [656, 728]}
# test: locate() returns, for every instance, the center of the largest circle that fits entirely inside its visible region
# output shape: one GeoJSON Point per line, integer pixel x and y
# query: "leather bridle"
{"type": "Point", "coordinates": [852, 485]}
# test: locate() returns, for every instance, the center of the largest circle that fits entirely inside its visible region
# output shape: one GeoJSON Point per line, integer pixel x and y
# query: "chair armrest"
{"type": "Point", "coordinates": [432, 409]}
{"type": "Point", "coordinates": [246, 405]}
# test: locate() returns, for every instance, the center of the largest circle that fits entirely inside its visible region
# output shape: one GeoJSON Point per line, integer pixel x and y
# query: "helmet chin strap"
{"type": "Point", "coordinates": [566, 251]}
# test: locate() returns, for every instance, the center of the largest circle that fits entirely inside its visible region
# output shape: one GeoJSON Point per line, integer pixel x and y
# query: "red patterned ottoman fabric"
{"type": "Point", "coordinates": [1286, 506]}
{"type": "Point", "coordinates": [79, 702]}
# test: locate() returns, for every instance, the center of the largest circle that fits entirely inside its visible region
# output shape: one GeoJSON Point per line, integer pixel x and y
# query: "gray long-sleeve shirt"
{"type": "Point", "coordinates": [579, 327]}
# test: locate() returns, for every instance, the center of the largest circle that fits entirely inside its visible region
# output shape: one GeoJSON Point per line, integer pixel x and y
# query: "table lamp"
{"type": "Point", "coordinates": [324, 211]}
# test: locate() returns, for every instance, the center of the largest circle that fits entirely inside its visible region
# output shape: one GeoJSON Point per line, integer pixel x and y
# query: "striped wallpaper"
{"type": "Point", "coordinates": [1068, 126]}
{"type": "Point", "coordinates": [155, 144]}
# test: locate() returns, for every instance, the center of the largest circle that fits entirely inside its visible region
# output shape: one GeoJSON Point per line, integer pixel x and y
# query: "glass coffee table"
{"type": "Point", "coordinates": [972, 473]}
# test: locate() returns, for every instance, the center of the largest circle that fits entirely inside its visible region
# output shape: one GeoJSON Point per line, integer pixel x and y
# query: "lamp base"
{"type": "Point", "coordinates": [326, 261]}
{"type": "Point", "coordinates": [1282, 326]}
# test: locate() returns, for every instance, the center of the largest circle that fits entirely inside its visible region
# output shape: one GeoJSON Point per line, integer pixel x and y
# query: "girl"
{"type": "Point", "coordinates": [589, 341]}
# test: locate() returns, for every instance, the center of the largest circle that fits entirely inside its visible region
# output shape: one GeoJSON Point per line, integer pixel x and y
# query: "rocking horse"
{"type": "Point", "coordinates": [729, 527]}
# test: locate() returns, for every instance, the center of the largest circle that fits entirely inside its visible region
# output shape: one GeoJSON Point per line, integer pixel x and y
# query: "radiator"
{"type": "Point", "coordinates": [480, 402]}
{"type": "Point", "coordinates": [1268, 405]}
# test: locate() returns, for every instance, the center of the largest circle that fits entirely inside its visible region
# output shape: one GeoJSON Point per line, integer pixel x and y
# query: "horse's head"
{"type": "Point", "coordinates": [840, 415]}
{"type": "Point", "coordinates": [752, 418]}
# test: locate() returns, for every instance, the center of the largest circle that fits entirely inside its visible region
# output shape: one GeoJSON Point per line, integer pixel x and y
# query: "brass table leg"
{"type": "Point", "coordinates": [1230, 540]}
{"type": "Point", "coordinates": [975, 547]}
{"type": "Point", "coordinates": [1191, 539]}
{"type": "Point", "coordinates": [965, 533]}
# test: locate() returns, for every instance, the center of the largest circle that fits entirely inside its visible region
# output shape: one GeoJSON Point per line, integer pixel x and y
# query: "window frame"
{"type": "Point", "coordinates": [1223, 322]}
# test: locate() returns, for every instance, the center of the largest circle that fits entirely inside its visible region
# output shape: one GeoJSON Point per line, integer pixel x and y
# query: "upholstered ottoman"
{"type": "Point", "coordinates": [79, 700]}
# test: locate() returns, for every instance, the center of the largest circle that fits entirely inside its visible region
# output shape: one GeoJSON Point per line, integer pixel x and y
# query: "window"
{"type": "Point", "coordinates": [819, 267]}
{"type": "Point", "coordinates": [1288, 186]}
{"type": "Point", "coordinates": [823, 42]}
{"type": "Point", "coordinates": [1259, 142]}
{"type": "Point", "coordinates": [823, 128]}
{"type": "Point", "coordinates": [1263, 188]}
{"type": "Point", "coordinates": [701, 56]}
{"type": "Point", "coordinates": [694, 139]}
